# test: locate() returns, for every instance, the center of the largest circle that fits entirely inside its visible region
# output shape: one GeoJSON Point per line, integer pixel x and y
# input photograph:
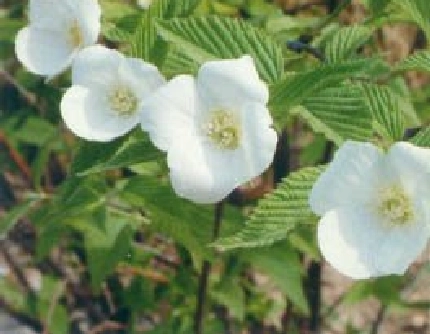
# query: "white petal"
{"type": "Point", "coordinates": [88, 14]}
{"type": "Point", "coordinates": [96, 66]}
{"type": "Point", "coordinates": [50, 14]}
{"type": "Point", "coordinates": [191, 175]}
{"type": "Point", "coordinates": [350, 239]}
{"type": "Point", "coordinates": [402, 245]}
{"type": "Point", "coordinates": [43, 52]}
{"type": "Point", "coordinates": [350, 178]}
{"type": "Point", "coordinates": [87, 114]}
{"type": "Point", "coordinates": [231, 168]}
{"type": "Point", "coordinates": [142, 77]}
{"type": "Point", "coordinates": [204, 173]}
{"type": "Point", "coordinates": [259, 141]}
{"type": "Point", "coordinates": [412, 165]}
{"type": "Point", "coordinates": [170, 112]}
{"type": "Point", "coordinates": [230, 83]}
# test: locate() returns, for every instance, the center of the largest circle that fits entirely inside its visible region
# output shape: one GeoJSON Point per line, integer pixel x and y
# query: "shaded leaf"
{"type": "Point", "coordinates": [277, 213]}
{"type": "Point", "coordinates": [93, 157]}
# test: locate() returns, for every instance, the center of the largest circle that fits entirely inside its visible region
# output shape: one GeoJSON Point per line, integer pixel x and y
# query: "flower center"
{"type": "Point", "coordinates": [395, 206]}
{"type": "Point", "coordinates": [123, 101]}
{"type": "Point", "coordinates": [223, 129]}
{"type": "Point", "coordinates": [75, 37]}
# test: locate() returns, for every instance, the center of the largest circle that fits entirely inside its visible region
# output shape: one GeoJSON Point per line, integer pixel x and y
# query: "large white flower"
{"type": "Point", "coordinates": [57, 30]}
{"type": "Point", "coordinates": [375, 208]}
{"type": "Point", "coordinates": [107, 93]}
{"type": "Point", "coordinates": [216, 129]}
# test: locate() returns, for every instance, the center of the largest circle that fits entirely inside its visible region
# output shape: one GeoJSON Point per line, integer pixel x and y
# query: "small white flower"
{"type": "Point", "coordinates": [216, 129]}
{"type": "Point", "coordinates": [107, 93]}
{"type": "Point", "coordinates": [144, 4]}
{"type": "Point", "coordinates": [57, 31]}
{"type": "Point", "coordinates": [375, 208]}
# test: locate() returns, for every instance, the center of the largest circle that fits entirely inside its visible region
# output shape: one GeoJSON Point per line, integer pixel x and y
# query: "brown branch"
{"type": "Point", "coordinates": [379, 319]}
{"type": "Point", "coordinates": [204, 276]}
{"type": "Point", "coordinates": [124, 269]}
{"type": "Point", "coordinates": [107, 325]}
{"type": "Point", "coordinates": [17, 158]}
{"type": "Point", "coordinates": [29, 98]}
{"type": "Point", "coordinates": [15, 268]}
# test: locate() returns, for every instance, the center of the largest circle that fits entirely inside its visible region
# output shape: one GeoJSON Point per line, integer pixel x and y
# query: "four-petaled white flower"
{"type": "Point", "coordinates": [216, 128]}
{"type": "Point", "coordinates": [57, 31]}
{"type": "Point", "coordinates": [375, 208]}
{"type": "Point", "coordinates": [107, 93]}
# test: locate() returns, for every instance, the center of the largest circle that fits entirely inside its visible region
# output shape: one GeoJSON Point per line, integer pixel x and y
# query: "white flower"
{"type": "Point", "coordinates": [144, 4]}
{"type": "Point", "coordinates": [57, 31]}
{"type": "Point", "coordinates": [107, 93]}
{"type": "Point", "coordinates": [216, 129]}
{"type": "Point", "coordinates": [375, 208]}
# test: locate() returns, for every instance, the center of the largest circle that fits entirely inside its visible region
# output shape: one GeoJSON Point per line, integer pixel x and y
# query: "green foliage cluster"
{"type": "Point", "coordinates": [110, 209]}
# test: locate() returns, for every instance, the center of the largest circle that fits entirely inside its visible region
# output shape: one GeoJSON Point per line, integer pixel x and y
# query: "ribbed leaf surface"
{"type": "Point", "coordinates": [145, 36]}
{"type": "Point", "coordinates": [278, 213]}
{"type": "Point", "coordinates": [386, 111]}
{"type": "Point", "coordinates": [291, 91]}
{"type": "Point", "coordinates": [207, 38]}
{"type": "Point", "coordinates": [339, 113]}
{"type": "Point", "coordinates": [345, 42]}
{"type": "Point", "coordinates": [419, 61]}
{"type": "Point", "coordinates": [422, 138]}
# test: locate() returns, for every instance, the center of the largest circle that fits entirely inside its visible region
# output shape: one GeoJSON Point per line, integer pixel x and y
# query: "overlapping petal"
{"type": "Point", "coordinates": [178, 114]}
{"type": "Point", "coordinates": [96, 67]}
{"type": "Point", "coordinates": [350, 178]}
{"type": "Point", "coordinates": [92, 108]}
{"type": "Point", "coordinates": [86, 114]}
{"type": "Point", "coordinates": [355, 235]}
{"type": "Point", "coordinates": [43, 52]}
{"type": "Point", "coordinates": [170, 113]}
{"type": "Point", "coordinates": [57, 31]}
{"type": "Point", "coordinates": [412, 165]}
{"type": "Point", "coordinates": [230, 83]}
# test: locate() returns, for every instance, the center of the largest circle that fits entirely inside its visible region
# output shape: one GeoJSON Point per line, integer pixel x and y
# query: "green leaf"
{"type": "Point", "coordinates": [277, 213]}
{"type": "Point", "coordinates": [230, 294]}
{"type": "Point", "coordinates": [422, 138]}
{"type": "Point", "coordinates": [345, 42]}
{"type": "Point", "coordinates": [9, 28]}
{"type": "Point", "coordinates": [105, 247]}
{"type": "Point", "coordinates": [377, 6]}
{"type": "Point", "coordinates": [144, 40]}
{"type": "Point", "coordinates": [49, 307]}
{"type": "Point", "coordinates": [386, 111]}
{"type": "Point", "coordinates": [419, 61]}
{"type": "Point", "coordinates": [78, 199]}
{"type": "Point", "coordinates": [187, 223]}
{"type": "Point", "coordinates": [291, 91]}
{"type": "Point", "coordinates": [207, 38]}
{"type": "Point", "coordinates": [116, 34]}
{"type": "Point", "coordinates": [35, 125]}
{"type": "Point", "coordinates": [386, 289]}
{"type": "Point", "coordinates": [12, 217]}
{"type": "Point", "coordinates": [282, 265]}
{"type": "Point", "coordinates": [339, 113]}
{"type": "Point", "coordinates": [177, 63]}
{"type": "Point", "coordinates": [95, 157]}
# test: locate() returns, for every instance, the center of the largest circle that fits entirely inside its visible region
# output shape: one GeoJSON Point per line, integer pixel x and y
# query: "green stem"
{"type": "Point", "coordinates": [204, 276]}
